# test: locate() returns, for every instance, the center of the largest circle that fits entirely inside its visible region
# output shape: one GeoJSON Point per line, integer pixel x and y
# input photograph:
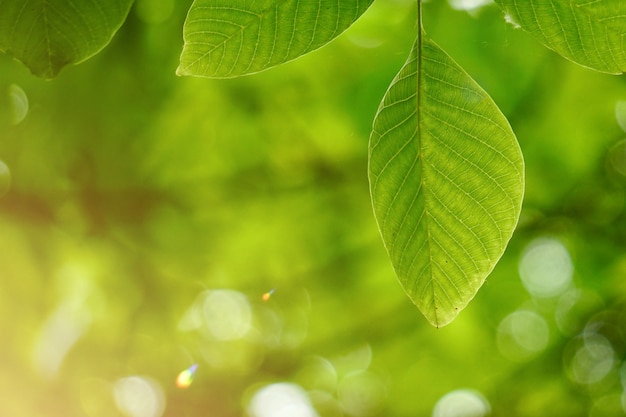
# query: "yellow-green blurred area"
{"type": "Point", "coordinates": [191, 247]}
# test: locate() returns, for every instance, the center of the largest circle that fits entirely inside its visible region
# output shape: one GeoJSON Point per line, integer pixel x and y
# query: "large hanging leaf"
{"type": "Point", "coordinates": [47, 35]}
{"type": "Point", "coordinates": [591, 33]}
{"type": "Point", "coordinates": [446, 179]}
{"type": "Point", "coordinates": [229, 38]}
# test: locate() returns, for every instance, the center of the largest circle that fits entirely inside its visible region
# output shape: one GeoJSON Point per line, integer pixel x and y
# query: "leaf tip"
{"type": "Point", "coordinates": [46, 74]}
{"type": "Point", "coordinates": [438, 322]}
{"type": "Point", "coordinates": [181, 71]}
{"type": "Point", "coordinates": [440, 315]}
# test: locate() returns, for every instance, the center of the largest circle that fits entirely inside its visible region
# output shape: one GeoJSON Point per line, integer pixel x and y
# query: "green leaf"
{"type": "Point", "coordinates": [47, 35]}
{"type": "Point", "coordinates": [590, 33]}
{"type": "Point", "coordinates": [446, 179]}
{"type": "Point", "coordinates": [230, 38]}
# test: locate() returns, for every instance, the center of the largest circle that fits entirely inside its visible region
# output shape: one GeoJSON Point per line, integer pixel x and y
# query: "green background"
{"type": "Point", "coordinates": [143, 216]}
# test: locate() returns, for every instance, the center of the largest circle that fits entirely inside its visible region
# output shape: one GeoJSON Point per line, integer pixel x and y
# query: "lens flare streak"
{"type": "Point", "coordinates": [185, 378]}
{"type": "Point", "coordinates": [268, 295]}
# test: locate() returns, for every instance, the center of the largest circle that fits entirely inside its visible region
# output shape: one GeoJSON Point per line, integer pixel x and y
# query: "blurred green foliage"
{"type": "Point", "coordinates": [144, 216]}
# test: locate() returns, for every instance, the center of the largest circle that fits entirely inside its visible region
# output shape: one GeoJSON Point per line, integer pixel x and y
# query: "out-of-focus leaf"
{"type": "Point", "coordinates": [588, 32]}
{"type": "Point", "coordinates": [47, 35]}
{"type": "Point", "coordinates": [226, 38]}
{"type": "Point", "coordinates": [446, 179]}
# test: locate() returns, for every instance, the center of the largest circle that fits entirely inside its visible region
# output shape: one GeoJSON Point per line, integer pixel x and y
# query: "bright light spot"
{"type": "Point", "coordinates": [137, 396]}
{"type": "Point", "coordinates": [5, 178]}
{"type": "Point", "coordinates": [154, 11]}
{"type": "Point", "coordinates": [268, 295]}
{"type": "Point", "coordinates": [620, 114]}
{"type": "Point", "coordinates": [224, 314]}
{"type": "Point", "coordinates": [522, 334]}
{"type": "Point", "coordinates": [69, 321]}
{"type": "Point", "coordinates": [356, 360]}
{"type": "Point", "coordinates": [546, 268]}
{"type": "Point", "coordinates": [281, 400]}
{"type": "Point", "coordinates": [469, 5]}
{"type": "Point", "coordinates": [326, 403]}
{"type": "Point", "coordinates": [296, 324]}
{"type": "Point", "coordinates": [60, 332]}
{"type": "Point", "coordinates": [573, 308]}
{"type": "Point", "coordinates": [508, 18]}
{"type": "Point", "coordinates": [269, 326]}
{"type": "Point", "coordinates": [593, 360]}
{"type": "Point", "coordinates": [462, 403]}
{"type": "Point", "coordinates": [318, 374]}
{"type": "Point", "coordinates": [617, 157]}
{"type": "Point", "coordinates": [227, 314]}
{"type": "Point", "coordinates": [19, 104]}
{"type": "Point", "coordinates": [185, 378]}
{"type": "Point", "coordinates": [361, 393]}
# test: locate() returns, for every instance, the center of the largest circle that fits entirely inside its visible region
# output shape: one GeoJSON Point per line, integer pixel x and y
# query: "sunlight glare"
{"type": "Point", "coordinates": [281, 400]}
{"type": "Point", "coordinates": [546, 268]}
{"type": "Point", "coordinates": [462, 403]}
{"type": "Point", "coordinates": [137, 396]}
{"type": "Point", "coordinates": [469, 6]}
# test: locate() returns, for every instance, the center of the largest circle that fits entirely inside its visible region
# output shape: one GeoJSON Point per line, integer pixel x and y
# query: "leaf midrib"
{"type": "Point", "coordinates": [420, 157]}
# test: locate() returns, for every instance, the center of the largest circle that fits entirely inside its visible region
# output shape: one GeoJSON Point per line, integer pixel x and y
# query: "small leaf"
{"type": "Point", "coordinates": [229, 38]}
{"type": "Point", "coordinates": [446, 179]}
{"type": "Point", "coordinates": [47, 35]}
{"type": "Point", "coordinates": [590, 33]}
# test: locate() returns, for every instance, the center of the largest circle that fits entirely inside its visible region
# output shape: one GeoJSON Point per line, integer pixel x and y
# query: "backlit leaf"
{"type": "Point", "coordinates": [229, 38]}
{"type": "Point", "coordinates": [47, 35]}
{"type": "Point", "coordinates": [591, 33]}
{"type": "Point", "coordinates": [446, 179]}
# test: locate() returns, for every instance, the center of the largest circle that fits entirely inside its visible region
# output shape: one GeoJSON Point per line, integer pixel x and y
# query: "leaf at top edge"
{"type": "Point", "coordinates": [230, 38]}
{"type": "Point", "coordinates": [47, 35]}
{"type": "Point", "coordinates": [591, 33]}
{"type": "Point", "coordinates": [446, 180]}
